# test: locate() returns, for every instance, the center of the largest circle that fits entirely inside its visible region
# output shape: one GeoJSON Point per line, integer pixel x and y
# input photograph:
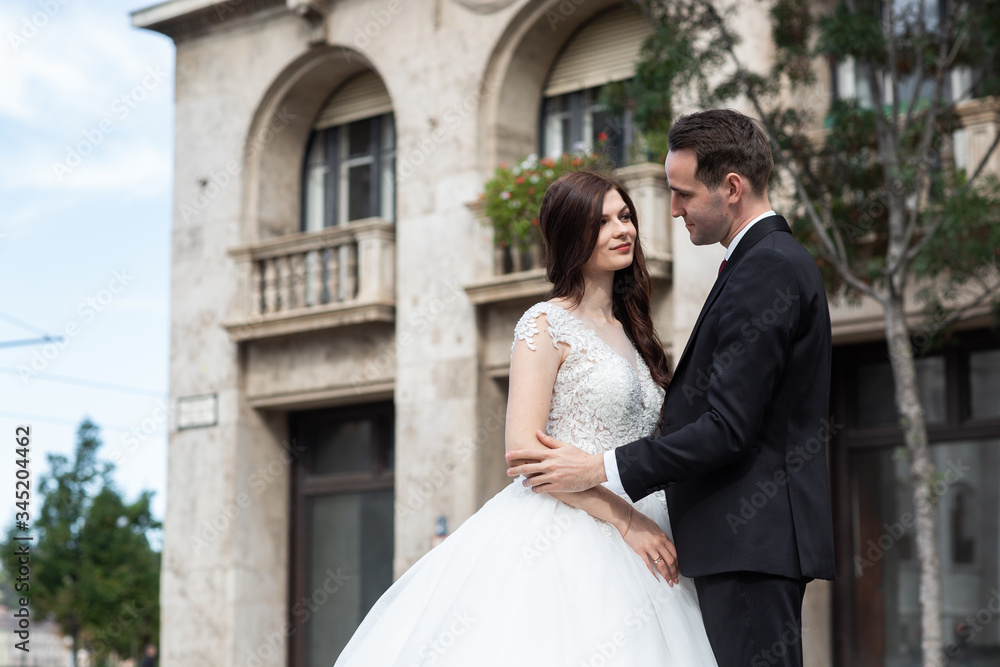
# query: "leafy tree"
{"type": "Point", "coordinates": [122, 591]}
{"type": "Point", "coordinates": [8, 596]}
{"type": "Point", "coordinates": [93, 570]}
{"type": "Point", "coordinates": [876, 193]}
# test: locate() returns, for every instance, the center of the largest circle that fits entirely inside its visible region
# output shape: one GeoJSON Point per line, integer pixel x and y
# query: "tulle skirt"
{"type": "Point", "coordinates": [528, 580]}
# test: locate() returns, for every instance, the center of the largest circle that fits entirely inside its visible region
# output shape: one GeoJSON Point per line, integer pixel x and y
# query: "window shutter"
{"type": "Point", "coordinates": [605, 49]}
{"type": "Point", "coordinates": [362, 96]}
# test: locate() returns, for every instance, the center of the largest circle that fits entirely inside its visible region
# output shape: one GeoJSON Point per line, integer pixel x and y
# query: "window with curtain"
{"type": "Point", "coordinates": [603, 51]}
{"type": "Point", "coordinates": [350, 161]}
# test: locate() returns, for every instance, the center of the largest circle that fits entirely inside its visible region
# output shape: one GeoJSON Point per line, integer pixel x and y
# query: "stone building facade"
{"type": "Point", "coordinates": [341, 320]}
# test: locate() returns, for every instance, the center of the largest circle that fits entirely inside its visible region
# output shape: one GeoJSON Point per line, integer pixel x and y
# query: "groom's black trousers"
{"type": "Point", "coordinates": [752, 619]}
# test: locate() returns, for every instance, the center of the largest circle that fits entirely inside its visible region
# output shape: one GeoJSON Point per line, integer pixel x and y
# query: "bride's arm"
{"type": "Point", "coordinates": [532, 378]}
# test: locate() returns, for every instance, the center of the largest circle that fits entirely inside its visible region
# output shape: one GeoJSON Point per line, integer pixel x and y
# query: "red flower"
{"type": "Point", "coordinates": [534, 223]}
{"type": "Point", "coordinates": [603, 136]}
{"type": "Point", "coordinates": [503, 165]}
{"type": "Point", "coordinates": [519, 180]}
{"type": "Point", "coordinates": [548, 162]}
{"type": "Point", "coordinates": [531, 191]}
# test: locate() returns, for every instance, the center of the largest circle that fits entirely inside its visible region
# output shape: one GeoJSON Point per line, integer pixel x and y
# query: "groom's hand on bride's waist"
{"type": "Point", "coordinates": [560, 467]}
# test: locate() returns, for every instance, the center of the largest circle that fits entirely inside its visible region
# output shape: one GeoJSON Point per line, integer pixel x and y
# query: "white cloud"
{"type": "Point", "coordinates": [21, 220]}
{"type": "Point", "coordinates": [132, 169]}
{"type": "Point", "coordinates": [81, 97]}
{"type": "Point", "coordinates": [75, 66]}
{"type": "Point", "coordinates": [139, 304]}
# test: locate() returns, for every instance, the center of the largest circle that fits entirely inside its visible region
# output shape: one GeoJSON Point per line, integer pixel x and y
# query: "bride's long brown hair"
{"type": "Point", "coordinates": [570, 219]}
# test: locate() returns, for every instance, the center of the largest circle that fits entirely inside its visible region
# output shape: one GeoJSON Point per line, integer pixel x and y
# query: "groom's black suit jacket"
{"type": "Point", "coordinates": [742, 451]}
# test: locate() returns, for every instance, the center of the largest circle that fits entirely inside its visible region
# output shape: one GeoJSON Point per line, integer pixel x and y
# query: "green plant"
{"type": "Point", "coordinates": [512, 199]}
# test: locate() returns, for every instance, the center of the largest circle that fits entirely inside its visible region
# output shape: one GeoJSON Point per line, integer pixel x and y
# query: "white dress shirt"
{"type": "Point", "coordinates": [610, 463]}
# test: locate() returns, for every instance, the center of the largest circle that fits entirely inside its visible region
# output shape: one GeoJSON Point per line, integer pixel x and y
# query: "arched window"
{"type": "Point", "coordinates": [604, 50]}
{"type": "Point", "coordinates": [350, 163]}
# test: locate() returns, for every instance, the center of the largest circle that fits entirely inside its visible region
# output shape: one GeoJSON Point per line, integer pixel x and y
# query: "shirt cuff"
{"type": "Point", "coordinates": [611, 470]}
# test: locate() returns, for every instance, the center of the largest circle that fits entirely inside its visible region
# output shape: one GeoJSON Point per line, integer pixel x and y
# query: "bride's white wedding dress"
{"type": "Point", "coordinates": [528, 580]}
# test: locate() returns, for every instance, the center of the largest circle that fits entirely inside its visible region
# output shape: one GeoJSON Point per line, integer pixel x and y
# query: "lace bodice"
{"type": "Point", "coordinates": [599, 402]}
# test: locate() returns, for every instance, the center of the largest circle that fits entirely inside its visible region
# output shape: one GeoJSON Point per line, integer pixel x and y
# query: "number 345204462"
{"type": "Point", "coordinates": [22, 491]}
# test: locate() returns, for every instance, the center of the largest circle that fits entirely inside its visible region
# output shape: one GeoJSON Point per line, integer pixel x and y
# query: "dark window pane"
{"type": "Point", "coordinates": [931, 385]}
{"type": "Point", "coordinates": [984, 378]}
{"type": "Point", "coordinates": [610, 130]}
{"type": "Point", "coordinates": [359, 192]}
{"type": "Point", "coordinates": [345, 448]}
{"type": "Point", "coordinates": [876, 392]}
{"type": "Point", "coordinates": [388, 132]}
{"type": "Point", "coordinates": [565, 135]}
{"type": "Point", "coordinates": [350, 566]}
{"type": "Point", "coordinates": [963, 541]}
{"type": "Point", "coordinates": [876, 401]}
{"type": "Point", "coordinates": [359, 138]}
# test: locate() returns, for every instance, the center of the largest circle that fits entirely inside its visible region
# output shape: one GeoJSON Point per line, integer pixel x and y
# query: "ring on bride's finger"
{"type": "Point", "coordinates": [657, 560]}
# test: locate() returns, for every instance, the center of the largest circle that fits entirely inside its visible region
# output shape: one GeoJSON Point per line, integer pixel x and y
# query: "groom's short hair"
{"type": "Point", "coordinates": [724, 141]}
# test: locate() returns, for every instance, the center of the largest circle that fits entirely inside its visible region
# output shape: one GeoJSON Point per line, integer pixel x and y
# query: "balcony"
{"type": "Point", "coordinates": [309, 281]}
{"type": "Point", "coordinates": [513, 276]}
{"type": "Point", "coordinates": [511, 281]}
{"type": "Point", "coordinates": [980, 120]}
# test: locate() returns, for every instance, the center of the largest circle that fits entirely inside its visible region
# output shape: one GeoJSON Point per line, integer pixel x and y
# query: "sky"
{"type": "Point", "coordinates": [86, 162]}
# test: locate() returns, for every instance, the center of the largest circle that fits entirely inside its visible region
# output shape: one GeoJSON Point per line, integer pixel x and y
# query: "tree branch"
{"type": "Point", "coordinates": [887, 143]}
{"type": "Point", "coordinates": [982, 163]}
{"type": "Point", "coordinates": [839, 261]}
{"type": "Point", "coordinates": [891, 53]}
{"type": "Point", "coordinates": [919, 78]}
{"type": "Point", "coordinates": [920, 245]}
{"type": "Point", "coordinates": [980, 76]}
{"type": "Point", "coordinates": [957, 314]}
{"type": "Point", "coordinates": [900, 253]}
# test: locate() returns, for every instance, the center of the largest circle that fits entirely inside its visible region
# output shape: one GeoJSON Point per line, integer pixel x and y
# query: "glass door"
{"type": "Point", "coordinates": [342, 526]}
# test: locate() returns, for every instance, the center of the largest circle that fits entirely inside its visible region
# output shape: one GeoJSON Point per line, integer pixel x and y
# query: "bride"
{"type": "Point", "coordinates": [565, 579]}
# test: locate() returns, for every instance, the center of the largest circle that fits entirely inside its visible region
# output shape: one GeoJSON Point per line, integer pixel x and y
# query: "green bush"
{"type": "Point", "coordinates": [512, 199]}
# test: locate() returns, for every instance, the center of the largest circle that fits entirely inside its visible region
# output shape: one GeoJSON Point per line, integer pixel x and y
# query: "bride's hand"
{"type": "Point", "coordinates": [653, 546]}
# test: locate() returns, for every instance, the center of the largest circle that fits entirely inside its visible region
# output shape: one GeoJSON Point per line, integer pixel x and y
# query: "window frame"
{"type": "Point", "coordinates": [336, 205]}
{"type": "Point", "coordinates": [581, 107]}
{"type": "Point", "coordinates": [304, 486]}
{"type": "Point", "coordinates": [958, 425]}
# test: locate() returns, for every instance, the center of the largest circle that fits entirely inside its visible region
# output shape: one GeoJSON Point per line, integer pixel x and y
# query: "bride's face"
{"type": "Point", "coordinates": [616, 239]}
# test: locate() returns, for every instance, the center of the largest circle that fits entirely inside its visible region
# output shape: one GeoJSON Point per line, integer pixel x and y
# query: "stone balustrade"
{"type": "Point", "coordinates": [316, 280]}
{"type": "Point", "coordinates": [521, 273]}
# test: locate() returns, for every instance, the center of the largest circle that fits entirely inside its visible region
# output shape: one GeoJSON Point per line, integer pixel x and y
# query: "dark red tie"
{"type": "Point", "coordinates": [722, 266]}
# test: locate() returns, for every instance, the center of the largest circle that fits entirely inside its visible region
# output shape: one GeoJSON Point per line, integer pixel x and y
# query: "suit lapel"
{"type": "Point", "coordinates": [774, 223]}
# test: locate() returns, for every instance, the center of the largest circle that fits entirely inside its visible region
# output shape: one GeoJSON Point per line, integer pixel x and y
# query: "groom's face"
{"type": "Point", "coordinates": [703, 210]}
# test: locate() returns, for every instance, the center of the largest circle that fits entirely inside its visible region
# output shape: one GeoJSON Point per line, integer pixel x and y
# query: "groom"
{"type": "Point", "coordinates": [742, 452]}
